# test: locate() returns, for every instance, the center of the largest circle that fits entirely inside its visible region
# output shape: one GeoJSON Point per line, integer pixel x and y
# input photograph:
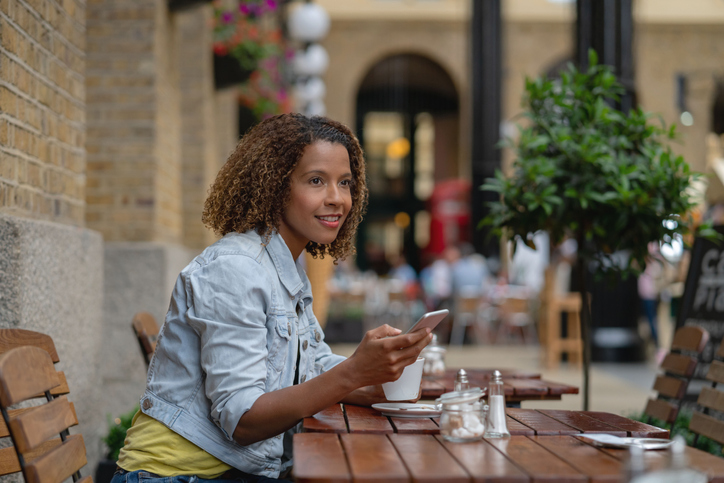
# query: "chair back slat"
{"type": "Point", "coordinates": [40, 423]}
{"type": "Point", "coordinates": [679, 364]}
{"type": "Point", "coordinates": [58, 464]}
{"type": "Point", "coordinates": [716, 371]}
{"type": "Point", "coordinates": [146, 330]}
{"type": "Point", "coordinates": [660, 409]}
{"type": "Point", "coordinates": [9, 457]}
{"type": "Point", "coordinates": [15, 367]}
{"type": "Point", "coordinates": [708, 426]}
{"type": "Point", "coordinates": [12, 338]}
{"type": "Point", "coordinates": [711, 398]}
{"type": "Point", "coordinates": [670, 387]}
{"type": "Point", "coordinates": [4, 432]}
{"type": "Point", "coordinates": [690, 338]}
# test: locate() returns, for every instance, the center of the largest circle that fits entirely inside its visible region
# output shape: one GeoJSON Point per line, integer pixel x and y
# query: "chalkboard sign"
{"type": "Point", "coordinates": [703, 300]}
{"type": "Point", "coordinates": [702, 304]}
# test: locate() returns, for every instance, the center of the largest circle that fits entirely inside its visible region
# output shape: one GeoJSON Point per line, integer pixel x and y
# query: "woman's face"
{"type": "Point", "coordinates": [320, 197]}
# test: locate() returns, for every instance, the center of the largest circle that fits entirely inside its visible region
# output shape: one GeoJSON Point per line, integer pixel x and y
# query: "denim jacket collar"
{"type": "Point", "coordinates": [293, 279]}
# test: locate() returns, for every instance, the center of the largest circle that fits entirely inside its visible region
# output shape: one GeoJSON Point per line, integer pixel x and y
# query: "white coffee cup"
{"type": "Point", "coordinates": [407, 387]}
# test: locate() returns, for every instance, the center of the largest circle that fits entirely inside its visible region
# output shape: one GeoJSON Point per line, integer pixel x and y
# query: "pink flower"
{"type": "Point", "coordinates": [244, 8]}
{"type": "Point", "coordinates": [227, 17]}
{"type": "Point", "coordinates": [271, 5]}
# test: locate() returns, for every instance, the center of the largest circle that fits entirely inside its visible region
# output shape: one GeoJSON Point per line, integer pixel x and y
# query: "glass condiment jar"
{"type": "Point", "coordinates": [463, 415]}
{"type": "Point", "coordinates": [434, 355]}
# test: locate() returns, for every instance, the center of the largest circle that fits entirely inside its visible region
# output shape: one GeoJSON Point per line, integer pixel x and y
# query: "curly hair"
{"type": "Point", "coordinates": [246, 192]}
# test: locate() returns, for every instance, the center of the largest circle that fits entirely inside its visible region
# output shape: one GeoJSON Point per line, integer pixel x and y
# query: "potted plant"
{"type": "Point", "coordinates": [243, 36]}
{"type": "Point", "coordinates": [586, 170]}
{"type": "Point", "coordinates": [114, 441]}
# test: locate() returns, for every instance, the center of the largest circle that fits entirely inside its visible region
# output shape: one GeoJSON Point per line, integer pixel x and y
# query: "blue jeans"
{"type": "Point", "coordinates": [123, 476]}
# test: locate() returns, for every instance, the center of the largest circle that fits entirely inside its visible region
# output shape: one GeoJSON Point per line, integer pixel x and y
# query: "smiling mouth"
{"type": "Point", "coordinates": [331, 221]}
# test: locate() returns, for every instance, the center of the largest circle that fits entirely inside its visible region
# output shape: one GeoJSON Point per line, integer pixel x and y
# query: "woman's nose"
{"type": "Point", "coordinates": [334, 197]}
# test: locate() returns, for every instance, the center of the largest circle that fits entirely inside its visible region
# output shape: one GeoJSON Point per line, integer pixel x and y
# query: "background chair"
{"type": "Point", "coordinates": [703, 423]}
{"type": "Point", "coordinates": [553, 305]}
{"type": "Point", "coordinates": [146, 330]}
{"type": "Point", "coordinates": [678, 369]}
{"type": "Point", "coordinates": [25, 373]}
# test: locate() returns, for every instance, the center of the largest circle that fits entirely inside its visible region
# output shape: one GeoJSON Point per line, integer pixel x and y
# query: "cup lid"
{"type": "Point", "coordinates": [461, 397]}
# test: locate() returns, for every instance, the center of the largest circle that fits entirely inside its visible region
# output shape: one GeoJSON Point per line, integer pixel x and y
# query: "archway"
{"type": "Point", "coordinates": [407, 120]}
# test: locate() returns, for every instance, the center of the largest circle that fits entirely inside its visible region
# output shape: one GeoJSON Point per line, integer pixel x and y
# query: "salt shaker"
{"type": "Point", "coordinates": [496, 426]}
{"type": "Point", "coordinates": [461, 381]}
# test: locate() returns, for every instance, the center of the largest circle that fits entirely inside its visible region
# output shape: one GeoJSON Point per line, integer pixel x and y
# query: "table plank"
{"type": "Point", "coordinates": [527, 387]}
{"type": "Point", "coordinates": [707, 463]}
{"type": "Point", "coordinates": [600, 467]}
{"type": "Point", "coordinates": [366, 420]}
{"type": "Point", "coordinates": [583, 422]}
{"type": "Point", "coordinates": [634, 429]}
{"type": "Point", "coordinates": [373, 458]}
{"type": "Point", "coordinates": [518, 428]}
{"type": "Point", "coordinates": [431, 388]}
{"type": "Point", "coordinates": [541, 423]}
{"type": "Point", "coordinates": [329, 420]}
{"type": "Point", "coordinates": [319, 458]}
{"type": "Point", "coordinates": [427, 460]}
{"type": "Point", "coordinates": [415, 426]}
{"type": "Point", "coordinates": [485, 463]}
{"type": "Point", "coordinates": [537, 461]}
{"type": "Point", "coordinates": [557, 388]}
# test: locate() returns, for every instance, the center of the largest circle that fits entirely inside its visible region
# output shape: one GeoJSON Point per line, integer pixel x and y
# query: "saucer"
{"type": "Point", "coordinates": [407, 410]}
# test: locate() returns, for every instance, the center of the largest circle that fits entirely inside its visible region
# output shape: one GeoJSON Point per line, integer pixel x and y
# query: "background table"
{"type": "Point", "coordinates": [348, 443]}
{"type": "Point", "coordinates": [518, 385]}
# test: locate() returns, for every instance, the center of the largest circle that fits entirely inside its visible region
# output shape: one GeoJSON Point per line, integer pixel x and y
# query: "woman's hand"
{"type": "Point", "coordinates": [384, 353]}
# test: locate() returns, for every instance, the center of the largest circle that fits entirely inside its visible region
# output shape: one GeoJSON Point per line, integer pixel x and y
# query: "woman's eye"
{"type": "Point", "coordinates": [346, 182]}
{"type": "Point", "coordinates": [316, 181]}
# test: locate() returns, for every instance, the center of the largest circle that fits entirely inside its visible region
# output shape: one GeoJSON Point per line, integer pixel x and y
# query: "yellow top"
{"type": "Point", "coordinates": [152, 447]}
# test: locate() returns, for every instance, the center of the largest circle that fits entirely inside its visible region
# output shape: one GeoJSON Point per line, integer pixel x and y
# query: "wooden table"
{"type": "Point", "coordinates": [518, 385]}
{"type": "Point", "coordinates": [352, 443]}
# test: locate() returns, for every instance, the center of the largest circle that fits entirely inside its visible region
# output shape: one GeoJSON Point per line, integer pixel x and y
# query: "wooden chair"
{"type": "Point", "coordinates": [25, 373]}
{"type": "Point", "coordinates": [146, 330]}
{"type": "Point", "coordinates": [678, 369]}
{"type": "Point", "coordinates": [710, 398]}
{"type": "Point", "coordinates": [552, 306]}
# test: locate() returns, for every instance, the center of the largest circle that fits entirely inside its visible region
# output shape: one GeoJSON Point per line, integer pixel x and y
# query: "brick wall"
{"type": "Point", "coordinates": [198, 147]}
{"type": "Point", "coordinates": [133, 191]}
{"type": "Point", "coordinates": [42, 157]}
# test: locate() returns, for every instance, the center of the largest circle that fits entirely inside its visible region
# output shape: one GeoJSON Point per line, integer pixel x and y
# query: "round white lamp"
{"type": "Point", "coordinates": [308, 22]}
{"type": "Point", "coordinates": [310, 62]}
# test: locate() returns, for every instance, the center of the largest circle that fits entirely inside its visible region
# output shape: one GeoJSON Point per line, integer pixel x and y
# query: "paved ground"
{"type": "Point", "coordinates": [615, 388]}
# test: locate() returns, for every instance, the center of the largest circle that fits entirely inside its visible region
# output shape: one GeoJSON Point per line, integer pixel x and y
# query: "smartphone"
{"type": "Point", "coordinates": [430, 319]}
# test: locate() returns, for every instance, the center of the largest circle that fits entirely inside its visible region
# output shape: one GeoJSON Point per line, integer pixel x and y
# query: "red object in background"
{"type": "Point", "coordinates": [449, 208]}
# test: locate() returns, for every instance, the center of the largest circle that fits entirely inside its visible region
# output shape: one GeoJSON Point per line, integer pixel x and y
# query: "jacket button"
{"type": "Point", "coordinates": [305, 344]}
{"type": "Point", "coordinates": [147, 404]}
{"type": "Point", "coordinates": [304, 378]}
{"type": "Point", "coordinates": [289, 328]}
{"type": "Point", "coordinates": [317, 336]}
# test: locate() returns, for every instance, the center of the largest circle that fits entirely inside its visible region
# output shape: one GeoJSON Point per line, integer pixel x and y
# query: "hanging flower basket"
{"type": "Point", "coordinates": [228, 71]}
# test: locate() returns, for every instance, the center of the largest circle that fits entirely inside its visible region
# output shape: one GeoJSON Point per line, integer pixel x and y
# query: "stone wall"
{"type": "Point", "coordinates": [42, 156]}
{"type": "Point", "coordinates": [51, 279]}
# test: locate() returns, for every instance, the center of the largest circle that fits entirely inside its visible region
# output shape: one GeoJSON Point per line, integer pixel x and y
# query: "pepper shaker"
{"type": "Point", "coordinates": [461, 381]}
{"type": "Point", "coordinates": [496, 426]}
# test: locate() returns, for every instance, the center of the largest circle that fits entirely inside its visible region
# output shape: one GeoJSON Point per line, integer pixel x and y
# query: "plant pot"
{"type": "Point", "coordinates": [228, 71]}
{"type": "Point", "coordinates": [104, 471]}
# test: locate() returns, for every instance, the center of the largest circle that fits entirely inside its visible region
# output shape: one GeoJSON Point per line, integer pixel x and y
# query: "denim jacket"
{"type": "Point", "coordinates": [240, 314]}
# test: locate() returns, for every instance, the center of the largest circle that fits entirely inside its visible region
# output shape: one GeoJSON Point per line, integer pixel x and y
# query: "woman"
{"type": "Point", "coordinates": [241, 358]}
